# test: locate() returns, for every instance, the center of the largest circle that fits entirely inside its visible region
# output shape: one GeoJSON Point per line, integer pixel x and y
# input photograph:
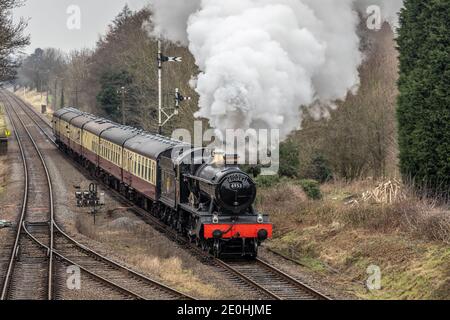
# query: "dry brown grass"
{"type": "Point", "coordinates": [2, 174]}
{"type": "Point", "coordinates": [343, 205]}
{"type": "Point", "coordinates": [139, 246]}
{"type": "Point", "coordinates": [348, 234]}
{"type": "Point", "coordinates": [35, 99]}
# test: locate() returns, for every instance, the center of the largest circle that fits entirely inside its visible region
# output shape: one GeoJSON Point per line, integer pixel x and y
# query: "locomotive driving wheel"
{"type": "Point", "coordinates": [216, 249]}
{"type": "Point", "coordinates": [204, 245]}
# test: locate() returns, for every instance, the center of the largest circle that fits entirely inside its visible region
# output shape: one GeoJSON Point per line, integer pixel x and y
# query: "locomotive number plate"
{"type": "Point", "coordinates": [237, 181]}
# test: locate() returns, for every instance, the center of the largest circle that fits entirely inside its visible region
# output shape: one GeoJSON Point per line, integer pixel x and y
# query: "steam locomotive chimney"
{"type": "Point", "coordinates": [218, 157]}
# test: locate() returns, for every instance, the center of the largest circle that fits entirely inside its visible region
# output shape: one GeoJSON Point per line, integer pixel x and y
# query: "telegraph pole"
{"type": "Point", "coordinates": [76, 96]}
{"type": "Point", "coordinates": [46, 102]}
{"type": "Point", "coordinates": [123, 104]}
{"type": "Point", "coordinates": [122, 91]}
{"type": "Point", "coordinates": [55, 95]}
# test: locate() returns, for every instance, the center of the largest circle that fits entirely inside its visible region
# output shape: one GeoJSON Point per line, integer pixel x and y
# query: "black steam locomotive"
{"type": "Point", "coordinates": [203, 195]}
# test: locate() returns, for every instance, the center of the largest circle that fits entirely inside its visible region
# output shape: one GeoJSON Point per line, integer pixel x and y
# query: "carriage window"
{"type": "Point", "coordinates": [130, 168]}
{"type": "Point", "coordinates": [147, 170]}
{"type": "Point", "coordinates": [139, 166]}
{"type": "Point", "coordinates": [144, 168]}
{"type": "Point", "coordinates": [150, 171]}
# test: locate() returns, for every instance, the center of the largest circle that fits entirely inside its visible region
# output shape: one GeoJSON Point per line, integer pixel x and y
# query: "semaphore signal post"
{"type": "Point", "coordinates": [178, 97]}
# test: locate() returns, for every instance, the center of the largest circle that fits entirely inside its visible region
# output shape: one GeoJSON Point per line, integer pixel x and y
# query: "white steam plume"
{"type": "Point", "coordinates": [265, 63]}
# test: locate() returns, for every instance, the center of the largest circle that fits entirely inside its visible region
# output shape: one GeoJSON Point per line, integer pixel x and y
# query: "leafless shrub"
{"type": "Point", "coordinates": [419, 217]}
{"type": "Point", "coordinates": [427, 221]}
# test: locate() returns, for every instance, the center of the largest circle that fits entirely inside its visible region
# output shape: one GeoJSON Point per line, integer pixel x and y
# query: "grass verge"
{"type": "Point", "coordinates": [408, 240]}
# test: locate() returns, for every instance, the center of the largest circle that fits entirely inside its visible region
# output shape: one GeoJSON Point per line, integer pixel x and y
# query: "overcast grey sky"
{"type": "Point", "coordinates": [49, 18]}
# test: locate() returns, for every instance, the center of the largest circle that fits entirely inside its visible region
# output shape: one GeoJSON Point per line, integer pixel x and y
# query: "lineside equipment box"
{"type": "Point", "coordinates": [4, 132]}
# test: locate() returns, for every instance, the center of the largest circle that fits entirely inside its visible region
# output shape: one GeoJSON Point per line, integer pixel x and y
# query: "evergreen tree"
{"type": "Point", "coordinates": [289, 159]}
{"type": "Point", "coordinates": [424, 100]}
{"type": "Point", "coordinates": [110, 97]}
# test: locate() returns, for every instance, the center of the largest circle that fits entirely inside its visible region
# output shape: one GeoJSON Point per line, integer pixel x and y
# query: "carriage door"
{"type": "Point", "coordinates": [168, 183]}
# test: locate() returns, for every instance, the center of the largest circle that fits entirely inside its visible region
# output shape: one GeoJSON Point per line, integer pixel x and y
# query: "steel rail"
{"type": "Point", "coordinates": [293, 281]}
{"type": "Point", "coordinates": [25, 205]}
{"type": "Point", "coordinates": [308, 289]}
{"type": "Point", "coordinates": [89, 251]}
{"type": "Point", "coordinates": [92, 274]}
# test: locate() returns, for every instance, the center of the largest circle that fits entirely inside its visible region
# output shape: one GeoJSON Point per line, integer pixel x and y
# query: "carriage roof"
{"type": "Point", "coordinates": [119, 134]}
{"type": "Point", "coordinates": [81, 120]}
{"type": "Point", "coordinates": [152, 145]}
{"type": "Point", "coordinates": [98, 126]}
{"type": "Point", "coordinates": [60, 112]}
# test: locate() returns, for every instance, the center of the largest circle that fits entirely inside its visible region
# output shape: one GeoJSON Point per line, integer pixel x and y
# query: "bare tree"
{"type": "Point", "coordinates": [11, 38]}
{"type": "Point", "coordinates": [76, 79]}
{"type": "Point", "coordinates": [359, 139]}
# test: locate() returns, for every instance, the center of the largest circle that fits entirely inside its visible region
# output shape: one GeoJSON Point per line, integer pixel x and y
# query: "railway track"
{"type": "Point", "coordinates": [121, 281]}
{"type": "Point", "coordinates": [280, 285]}
{"type": "Point", "coordinates": [257, 275]}
{"type": "Point", "coordinates": [30, 269]}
